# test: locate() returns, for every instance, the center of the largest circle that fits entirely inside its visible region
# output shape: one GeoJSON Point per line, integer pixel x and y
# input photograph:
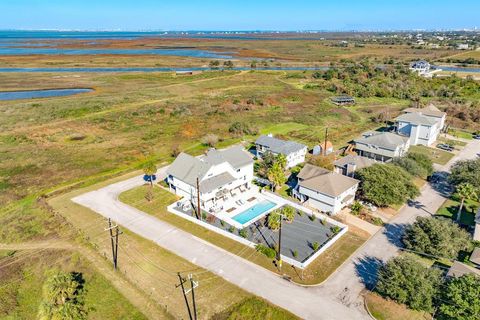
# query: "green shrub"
{"type": "Point", "coordinates": [295, 253]}
{"type": "Point", "coordinates": [386, 184]}
{"type": "Point", "coordinates": [269, 252]}
{"type": "Point", "coordinates": [243, 233]}
{"type": "Point", "coordinates": [356, 208]}
{"type": "Point", "coordinates": [335, 229]}
{"type": "Point", "coordinates": [436, 236]}
{"type": "Point", "coordinates": [315, 246]}
{"type": "Point", "coordinates": [311, 217]}
{"type": "Point", "coordinates": [407, 281]}
{"type": "Point", "coordinates": [231, 229]}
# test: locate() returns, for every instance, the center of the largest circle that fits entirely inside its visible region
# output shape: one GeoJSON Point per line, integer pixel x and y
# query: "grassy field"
{"type": "Point", "coordinates": [316, 272]}
{"type": "Point", "coordinates": [437, 155]}
{"type": "Point", "coordinates": [382, 309]}
{"type": "Point", "coordinates": [21, 290]}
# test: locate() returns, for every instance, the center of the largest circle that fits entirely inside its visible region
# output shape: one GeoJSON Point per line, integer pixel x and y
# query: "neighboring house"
{"type": "Point", "coordinates": [293, 151]}
{"type": "Point", "coordinates": [420, 66]}
{"type": "Point", "coordinates": [343, 100]}
{"type": "Point", "coordinates": [422, 125]}
{"type": "Point", "coordinates": [475, 256]}
{"type": "Point", "coordinates": [325, 190]}
{"type": "Point", "coordinates": [459, 269]}
{"type": "Point", "coordinates": [462, 46]}
{"type": "Point", "coordinates": [381, 146]}
{"type": "Point", "coordinates": [476, 233]}
{"type": "Point", "coordinates": [351, 163]}
{"type": "Point", "coordinates": [217, 173]}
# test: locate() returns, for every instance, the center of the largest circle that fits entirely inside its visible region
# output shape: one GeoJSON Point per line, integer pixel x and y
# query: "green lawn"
{"type": "Point", "coordinates": [450, 207]}
{"type": "Point", "coordinates": [317, 271]}
{"type": "Point", "coordinates": [460, 134]}
{"type": "Point", "coordinates": [437, 155]}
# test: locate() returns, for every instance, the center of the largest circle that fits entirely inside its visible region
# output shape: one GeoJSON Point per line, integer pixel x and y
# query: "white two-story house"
{"type": "Point", "coordinates": [325, 190]}
{"type": "Point", "coordinates": [293, 151]}
{"type": "Point", "coordinates": [381, 146]}
{"type": "Point", "coordinates": [422, 125]}
{"type": "Point", "coordinates": [218, 174]}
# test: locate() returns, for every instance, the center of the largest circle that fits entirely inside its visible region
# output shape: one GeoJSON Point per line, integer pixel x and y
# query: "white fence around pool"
{"type": "Point", "coordinates": [302, 265]}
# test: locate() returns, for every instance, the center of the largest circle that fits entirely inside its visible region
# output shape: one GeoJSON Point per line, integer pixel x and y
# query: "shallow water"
{"type": "Point", "coordinates": [165, 69]}
{"type": "Point", "coordinates": [31, 94]}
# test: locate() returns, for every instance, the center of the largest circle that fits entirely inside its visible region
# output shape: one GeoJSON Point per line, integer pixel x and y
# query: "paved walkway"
{"type": "Point", "coordinates": [338, 298]}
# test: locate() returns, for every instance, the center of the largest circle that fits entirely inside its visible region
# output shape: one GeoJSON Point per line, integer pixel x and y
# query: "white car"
{"type": "Point", "coordinates": [369, 206]}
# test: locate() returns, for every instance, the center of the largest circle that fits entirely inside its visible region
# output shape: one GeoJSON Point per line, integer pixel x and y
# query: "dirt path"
{"type": "Point", "coordinates": [136, 297]}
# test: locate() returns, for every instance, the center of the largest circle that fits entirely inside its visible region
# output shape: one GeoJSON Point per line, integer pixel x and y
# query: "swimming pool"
{"type": "Point", "coordinates": [254, 211]}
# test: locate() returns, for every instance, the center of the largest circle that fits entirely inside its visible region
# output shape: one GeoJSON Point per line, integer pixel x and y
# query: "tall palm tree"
{"type": "Point", "coordinates": [465, 191]}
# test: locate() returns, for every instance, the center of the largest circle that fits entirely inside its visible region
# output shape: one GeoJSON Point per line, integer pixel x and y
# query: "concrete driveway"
{"type": "Point", "coordinates": [338, 298]}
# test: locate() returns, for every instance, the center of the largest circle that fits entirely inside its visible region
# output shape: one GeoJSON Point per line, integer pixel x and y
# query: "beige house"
{"type": "Point", "coordinates": [325, 190]}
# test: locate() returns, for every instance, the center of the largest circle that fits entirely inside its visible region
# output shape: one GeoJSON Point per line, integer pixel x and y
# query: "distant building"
{"type": "Point", "coordinates": [294, 152]}
{"type": "Point", "coordinates": [325, 148]}
{"type": "Point", "coordinates": [325, 190]}
{"type": "Point", "coordinates": [343, 100]}
{"type": "Point", "coordinates": [420, 66]}
{"type": "Point", "coordinates": [187, 72]}
{"type": "Point", "coordinates": [462, 46]}
{"type": "Point", "coordinates": [381, 146]}
{"type": "Point", "coordinates": [351, 163]}
{"type": "Point", "coordinates": [422, 126]}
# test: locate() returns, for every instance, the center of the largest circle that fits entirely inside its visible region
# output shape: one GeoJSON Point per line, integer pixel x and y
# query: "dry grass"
{"type": "Point", "coordinates": [383, 309]}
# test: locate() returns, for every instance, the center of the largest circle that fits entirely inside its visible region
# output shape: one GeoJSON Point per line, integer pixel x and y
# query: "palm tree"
{"type": "Point", "coordinates": [149, 169]}
{"type": "Point", "coordinates": [465, 191]}
{"type": "Point", "coordinates": [274, 220]}
{"type": "Point", "coordinates": [276, 175]}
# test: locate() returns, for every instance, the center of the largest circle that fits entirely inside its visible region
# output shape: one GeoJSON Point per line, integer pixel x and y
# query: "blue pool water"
{"type": "Point", "coordinates": [15, 95]}
{"type": "Point", "coordinates": [253, 212]}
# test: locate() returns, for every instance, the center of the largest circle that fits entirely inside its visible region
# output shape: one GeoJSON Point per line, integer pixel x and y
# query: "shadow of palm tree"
{"type": "Point", "coordinates": [394, 232]}
{"type": "Point", "coordinates": [366, 269]}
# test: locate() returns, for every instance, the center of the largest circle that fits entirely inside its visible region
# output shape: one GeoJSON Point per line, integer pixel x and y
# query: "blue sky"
{"type": "Point", "coordinates": [239, 15]}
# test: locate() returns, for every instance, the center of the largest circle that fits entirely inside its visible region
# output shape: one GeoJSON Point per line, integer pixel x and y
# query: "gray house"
{"type": "Point", "coordinates": [294, 152]}
{"type": "Point", "coordinates": [381, 146]}
{"type": "Point", "coordinates": [351, 163]}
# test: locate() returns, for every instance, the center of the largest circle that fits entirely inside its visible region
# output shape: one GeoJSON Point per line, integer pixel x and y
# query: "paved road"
{"type": "Point", "coordinates": [338, 298]}
{"type": "Point", "coordinates": [349, 280]}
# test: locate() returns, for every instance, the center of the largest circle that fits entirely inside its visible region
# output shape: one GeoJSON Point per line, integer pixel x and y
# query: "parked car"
{"type": "Point", "coordinates": [369, 206]}
{"type": "Point", "coordinates": [476, 136]}
{"type": "Point", "coordinates": [445, 147]}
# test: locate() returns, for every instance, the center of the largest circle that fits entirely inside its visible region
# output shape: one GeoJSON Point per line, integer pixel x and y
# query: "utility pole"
{"type": "Point", "coordinates": [182, 281]}
{"type": "Point", "coordinates": [114, 241]}
{"type": "Point", "coordinates": [199, 210]}
{"type": "Point", "coordinates": [279, 257]}
{"type": "Point", "coordinates": [193, 285]}
{"type": "Point", "coordinates": [325, 145]}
